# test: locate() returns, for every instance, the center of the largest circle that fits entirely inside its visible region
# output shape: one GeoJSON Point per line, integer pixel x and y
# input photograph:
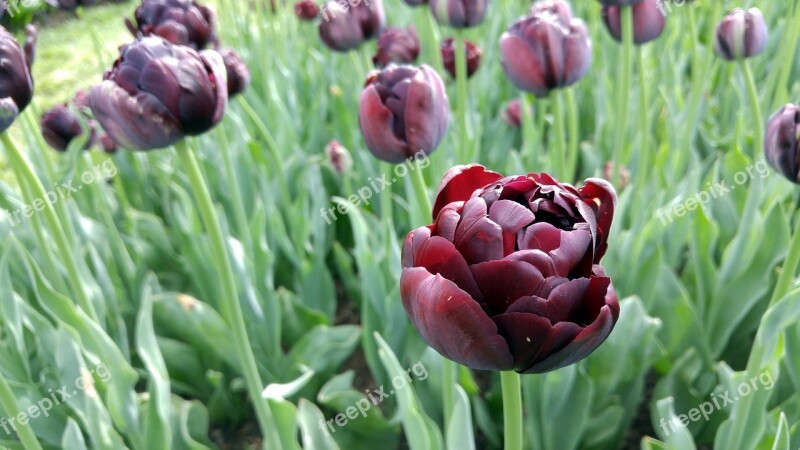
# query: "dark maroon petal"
{"type": "Point", "coordinates": [477, 237]}
{"type": "Point", "coordinates": [566, 248]}
{"type": "Point", "coordinates": [460, 182]}
{"type": "Point", "coordinates": [512, 217]}
{"type": "Point", "coordinates": [377, 123]}
{"type": "Point", "coordinates": [447, 221]}
{"type": "Point", "coordinates": [502, 282]}
{"type": "Point", "coordinates": [526, 335]}
{"type": "Point", "coordinates": [451, 322]}
{"type": "Point", "coordinates": [560, 304]}
{"type": "Point", "coordinates": [439, 256]}
{"type": "Point", "coordinates": [600, 195]}
{"type": "Point", "coordinates": [538, 259]}
{"type": "Point", "coordinates": [412, 243]}
{"type": "Point", "coordinates": [426, 113]}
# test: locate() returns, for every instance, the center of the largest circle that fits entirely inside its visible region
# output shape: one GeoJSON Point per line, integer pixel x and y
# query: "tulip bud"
{"type": "Point", "coordinates": [181, 22]}
{"type": "Point", "coordinates": [16, 84]}
{"type": "Point", "coordinates": [397, 45]}
{"type": "Point", "coordinates": [542, 52]}
{"type": "Point", "coordinates": [459, 13]}
{"type": "Point", "coordinates": [31, 37]}
{"type": "Point", "coordinates": [512, 113]}
{"type": "Point", "coordinates": [449, 57]}
{"type": "Point", "coordinates": [782, 142]}
{"type": "Point", "coordinates": [306, 10]}
{"type": "Point", "coordinates": [648, 21]}
{"type": "Point", "coordinates": [60, 125]}
{"type": "Point", "coordinates": [238, 73]}
{"type": "Point", "coordinates": [508, 276]}
{"type": "Point", "coordinates": [345, 27]}
{"type": "Point", "coordinates": [404, 110]}
{"type": "Point", "coordinates": [741, 34]}
{"type": "Point", "coordinates": [338, 157]}
{"type": "Point", "coordinates": [157, 93]}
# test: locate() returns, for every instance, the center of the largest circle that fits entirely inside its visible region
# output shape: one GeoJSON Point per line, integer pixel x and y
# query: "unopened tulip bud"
{"type": "Point", "coordinates": [459, 13]}
{"type": "Point", "coordinates": [648, 21]}
{"type": "Point", "coordinates": [449, 57]}
{"type": "Point", "coordinates": [343, 29]}
{"type": "Point", "coordinates": [181, 22]}
{"type": "Point", "coordinates": [338, 157]}
{"type": "Point", "coordinates": [306, 10]}
{"type": "Point", "coordinates": [238, 73]}
{"type": "Point", "coordinates": [60, 126]}
{"type": "Point", "coordinates": [512, 113]}
{"type": "Point", "coordinates": [397, 45]}
{"type": "Point", "coordinates": [741, 34]}
{"type": "Point", "coordinates": [16, 84]}
{"type": "Point", "coordinates": [782, 142]}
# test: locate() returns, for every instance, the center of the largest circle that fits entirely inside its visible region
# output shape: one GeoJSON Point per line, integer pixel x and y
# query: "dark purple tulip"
{"type": "Point", "coordinates": [404, 110]}
{"type": "Point", "coordinates": [158, 92]}
{"type": "Point", "coordinates": [306, 10]}
{"type": "Point", "coordinates": [346, 25]}
{"type": "Point", "coordinates": [31, 37]}
{"type": "Point", "coordinates": [182, 22]}
{"type": "Point", "coordinates": [512, 113]}
{"type": "Point", "coordinates": [449, 57]}
{"type": "Point", "coordinates": [741, 34]}
{"type": "Point", "coordinates": [16, 84]}
{"type": "Point", "coordinates": [648, 21]}
{"type": "Point", "coordinates": [60, 126]}
{"type": "Point", "coordinates": [338, 157]}
{"type": "Point", "coordinates": [459, 13]}
{"type": "Point", "coordinates": [542, 52]}
{"type": "Point", "coordinates": [238, 73]}
{"type": "Point", "coordinates": [508, 276]}
{"type": "Point", "coordinates": [782, 142]}
{"type": "Point", "coordinates": [397, 45]}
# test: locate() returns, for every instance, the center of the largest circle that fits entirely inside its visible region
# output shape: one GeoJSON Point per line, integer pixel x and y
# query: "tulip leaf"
{"type": "Point", "coordinates": [313, 431]}
{"type": "Point", "coordinates": [671, 429]}
{"type": "Point", "coordinates": [459, 430]}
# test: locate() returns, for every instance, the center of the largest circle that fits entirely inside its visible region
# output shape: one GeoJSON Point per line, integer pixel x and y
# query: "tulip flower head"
{"type": "Point", "coordinates": [238, 73]}
{"type": "Point", "coordinates": [338, 157]}
{"type": "Point", "coordinates": [508, 275]}
{"type": "Point", "coordinates": [512, 113]}
{"type": "Point", "coordinates": [16, 84]}
{"type": "Point", "coordinates": [306, 10]}
{"type": "Point", "coordinates": [403, 110]}
{"type": "Point", "coordinates": [449, 57]}
{"type": "Point", "coordinates": [181, 22]}
{"type": "Point", "coordinates": [459, 13]}
{"type": "Point", "coordinates": [397, 45]}
{"type": "Point", "coordinates": [346, 25]}
{"type": "Point", "coordinates": [158, 92]}
{"type": "Point", "coordinates": [648, 21]}
{"type": "Point", "coordinates": [61, 125]}
{"type": "Point", "coordinates": [741, 34]}
{"type": "Point", "coordinates": [782, 142]}
{"type": "Point", "coordinates": [544, 51]}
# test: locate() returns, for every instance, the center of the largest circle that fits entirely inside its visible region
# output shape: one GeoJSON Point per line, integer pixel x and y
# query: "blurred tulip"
{"type": "Point", "coordinates": [338, 157]}
{"type": "Point", "coordinates": [648, 21]}
{"type": "Point", "coordinates": [741, 34]}
{"type": "Point", "coordinates": [508, 276]}
{"type": "Point", "coordinates": [404, 110]}
{"type": "Point", "coordinates": [31, 37]}
{"type": "Point", "coordinates": [512, 113]}
{"type": "Point", "coordinates": [558, 7]}
{"type": "Point", "coordinates": [459, 13]}
{"type": "Point", "coordinates": [397, 45]}
{"type": "Point", "coordinates": [782, 142]}
{"type": "Point", "coordinates": [449, 57]}
{"type": "Point", "coordinates": [306, 10]}
{"type": "Point", "coordinates": [181, 22]}
{"type": "Point", "coordinates": [238, 73]}
{"type": "Point", "coordinates": [16, 84]}
{"type": "Point", "coordinates": [345, 26]}
{"type": "Point", "coordinates": [60, 126]}
{"type": "Point", "coordinates": [157, 93]}
{"type": "Point", "coordinates": [543, 52]}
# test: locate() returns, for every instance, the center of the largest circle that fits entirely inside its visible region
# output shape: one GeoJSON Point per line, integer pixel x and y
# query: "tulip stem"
{"type": "Point", "coordinates": [758, 141]}
{"type": "Point", "coordinates": [421, 192]}
{"type": "Point", "coordinates": [386, 195]}
{"type": "Point", "coordinates": [461, 98]}
{"type": "Point", "coordinates": [231, 309]}
{"type": "Point", "coordinates": [512, 409]}
{"type": "Point", "coordinates": [9, 402]}
{"type": "Point", "coordinates": [448, 391]}
{"type": "Point", "coordinates": [623, 88]}
{"type": "Point", "coordinates": [528, 129]}
{"type": "Point", "coordinates": [559, 163]}
{"type": "Point", "coordinates": [236, 191]}
{"type": "Point", "coordinates": [35, 191]}
{"type": "Point", "coordinates": [572, 123]}
{"type": "Point", "coordinates": [644, 150]}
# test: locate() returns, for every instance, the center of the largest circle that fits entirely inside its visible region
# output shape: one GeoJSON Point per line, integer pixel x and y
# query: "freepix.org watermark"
{"type": "Point", "coordinates": [415, 162]}
{"type": "Point", "coordinates": [717, 402]}
{"type": "Point", "coordinates": [340, 6]}
{"type": "Point", "coordinates": [374, 398]}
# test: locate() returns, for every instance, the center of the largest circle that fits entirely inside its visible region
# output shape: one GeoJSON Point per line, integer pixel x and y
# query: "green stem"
{"type": "Point", "coordinates": [512, 409]}
{"type": "Point", "coordinates": [230, 306]}
{"type": "Point", "coordinates": [10, 405]}
{"type": "Point", "coordinates": [758, 141]}
{"type": "Point", "coordinates": [572, 126]}
{"type": "Point", "coordinates": [528, 149]}
{"type": "Point", "coordinates": [421, 192]}
{"type": "Point", "coordinates": [787, 58]}
{"type": "Point", "coordinates": [448, 390]}
{"type": "Point", "coordinates": [236, 191]}
{"type": "Point", "coordinates": [386, 195]}
{"type": "Point", "coordinates": [788, 270]}
{"type": "Point", "coordinates": [23, 170]}
{"type": "Point", "coordinates": [623, 88]}
{"type": "Point", "coordinates": [460, 46]}
{"type": "Point", "coordinates": [559, 162]}
{"type": "Point", "coordinates": [644, 150]}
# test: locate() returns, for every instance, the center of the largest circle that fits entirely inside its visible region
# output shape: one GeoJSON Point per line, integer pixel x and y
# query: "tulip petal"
{"type": "Point", "coordinates": [440, 256]}
{"type": "Point", "coordinates": [566, 248]}
{"type": "Point", "coordinates": [427, 112]}
{"type": "Point", "coordinates": [377, 125]}
{"type": "Point", "coordinates": [503, 281]}
{"type": "Point", "coordinates": [451, 322]}
{"type": "Point", "coordinates": [8, 113]}
{"type": "Point", "coordinates": [477, 237]}
{"type": "Point", "coordinates": [526, 335]}
{"type": "Point", "coordinates": [600, 195]}
{"type": "Point", "coordinates": [537, 258]}
{"type": "Point", "coordinates": [521, 66]}
{"type": "Point", "coordinates": [512, 217]}
{"type": "Point", "coordinates": [460, 182]}
{"type": "Point", "coordinates": [447, 221]}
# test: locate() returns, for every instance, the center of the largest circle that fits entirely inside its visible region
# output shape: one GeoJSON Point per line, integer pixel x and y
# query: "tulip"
{"type": "Point", "coordinates": [782, 142]}
{"type": "Point", "coordinates": [306, 10]}
{"type": "Point", "coordinates": [558, 7]}
{"type": "Point", "coordinates": [512, 113]}
{"type": "Point", "coordinates": [31, 37]}
{"type": "Point", "coordinates": [404, 110]}
{"type": "Point", "coordinates": [449, 57]}
{"type": "Point", "coordinates": [346, 25]}
{"type": "Point", "coordinates": [508, 276]}
{"type": "Point", "coordinates": [238, 73]}
{"type": "Point", "coordinates": [181, 22]}
{"type": "Point", "coordinates": [741, 34]}
{"type": "Point", "coordinates": [16, 84]}
{"type": "Point", "coordinates": [158, 92]}
{"type": "Point", "coordinates": [60, 126]}
{"type": "Point", "coordinates": [459, 13]}
{"type": "Point", "coordinates": [648, 21]}
{"type": "Point", "coordinates": [542, 52]}
{"type": "Point", "coordinates": [397, 45]}
{"type": "Point", "coordinates": [338, 157]}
